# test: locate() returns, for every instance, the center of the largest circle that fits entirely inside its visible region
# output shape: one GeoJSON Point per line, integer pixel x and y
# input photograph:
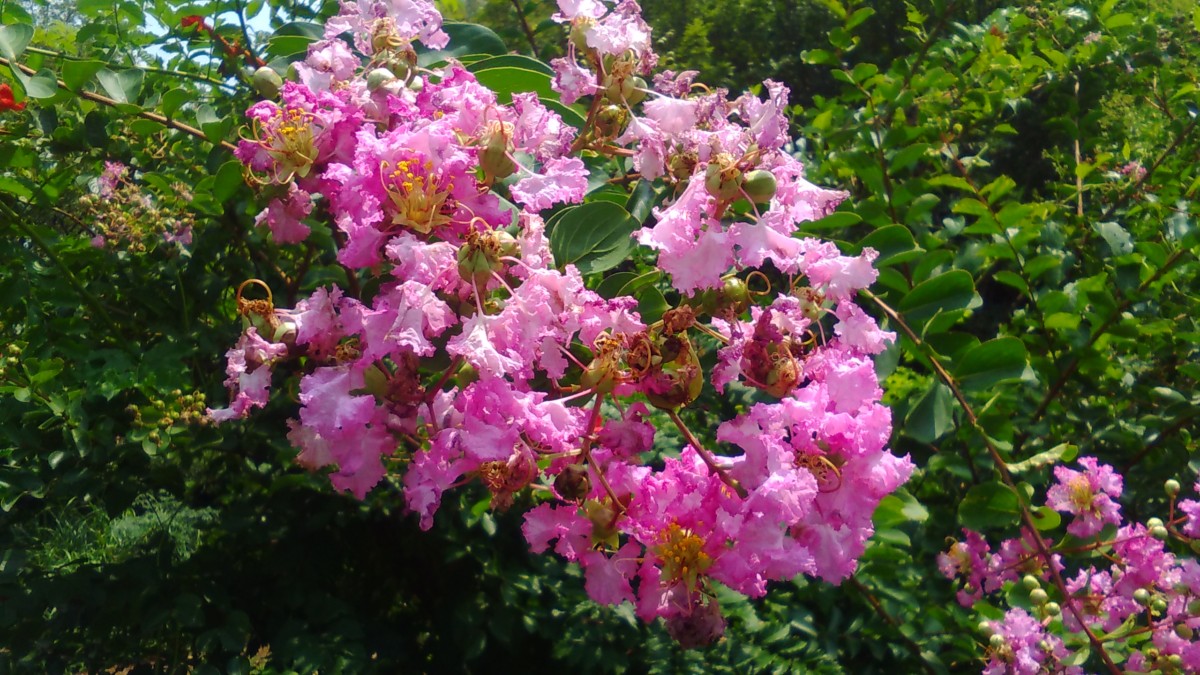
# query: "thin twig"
{"type": "Point", "coordinates": [705, 455]}
{"type": "Point", "coordinates": [525, 26]}
{"type": "Point", "coordinates": [98, 98]}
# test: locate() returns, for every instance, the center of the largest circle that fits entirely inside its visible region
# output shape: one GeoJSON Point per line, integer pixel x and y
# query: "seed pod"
{"type": "Point", "coordinates": [267, 82]}
{"type": "Point", "coordinates": [573, 482]}
{"type": "Point", "coordinates": [378, 78]}
{"type": "Point", "coordinates": [759, 186]}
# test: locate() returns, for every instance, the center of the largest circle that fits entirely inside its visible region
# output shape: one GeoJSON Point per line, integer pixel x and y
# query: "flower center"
{"type": "Point", "coordinates": [1081, 492]}
{"type": "Point", "coordinates": [289, 140]}
{"type": "Point", "coordinates": [418, 195]}
{"type": "Point", "coordinates": [682, 554]}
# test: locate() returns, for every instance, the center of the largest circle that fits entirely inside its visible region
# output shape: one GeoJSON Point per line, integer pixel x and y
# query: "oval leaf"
{"type": "Point", "coordinates": [953, 290]}
{"type": "Point", "coordinates": [594, 237]}
{"type": "Point", "coordinates": [992, 362]}
{"type": "Point", "coordinates": [989, 505]}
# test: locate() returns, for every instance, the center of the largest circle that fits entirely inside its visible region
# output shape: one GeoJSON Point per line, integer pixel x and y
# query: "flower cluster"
{"type": "Point", "coordinates": [475, 358]}
{"type": "Point", "coordinates": [1128, 583]}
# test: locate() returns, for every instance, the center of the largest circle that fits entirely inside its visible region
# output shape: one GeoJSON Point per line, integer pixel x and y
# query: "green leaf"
{"type": "Point", "coordinates": [1063, 452]}
{"type": "Point", "coordinates": [123, 86]}
{"type": "Point", "coordinates": [1045, 518]}
{"type": "Point", "coordinates": [293, 38]}
{"type": "Point", "coordinates": [894, 243]}
{"type": "Point", "coordinates": [228, 180]}
{"type": "Point", "coordinates": [953, 290]}
{"type": "Point", "coordinates": [511, 61]}
{"type": "Point", "coordinates": [626, 283]}
{"type": "Point", "coordinates": [642, 200]}
{"type": "Point", "coordinates": [507, 81]}
{"type": "Point", "coordinates": [989, 505]}
{"type": "Point", "coordinates": [992, 362]}
{"type": "Point", "coordinates": [594, 237]}
{"type": "Point", "coordinates": [933, 416]}
{"type": "Point", "coordinates": [14, 39]}
{"type": "Point", "coordinates": [465, 38]}
{"type": "Point", "coordinates": [76, 74]}
{"type": "Point", "coordinates": [898, 508]}
{"type": "Point", "coordinates": [834, 221]}
{"type": "Point", "coordinates": [42, 85]}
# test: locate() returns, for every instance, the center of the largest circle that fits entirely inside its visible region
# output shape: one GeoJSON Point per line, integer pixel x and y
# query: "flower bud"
{"type": "Point", "coordinates": [267, 82]}
{"type": "Point", "coordinates": [1158, 605]}
{"type": "Point", "coordinates": [1153, 523]}
{"type": "Point", "coordinates": [735, 295]}
{"type": "Point", "coordinates": [759, 186]}
{"type": "Point", "coordinates": [611, 120]}
{"type": "Point", "coordinates": [1141, 596]}
{"type": "Point", "coordinates": [1030, 582]}
{"type": "Point", "coordinates": [722, 179]}
{"type": "Point", "coordinates": [1172, 487]}
{"type": "Point", "coordinates": [1184, 631]}
{"type": "Point", "coordinates": [493, 158]}
{"type": "Point", "coordinates": [636, 90]}
{"type": "Point", "coordinates": [985, 627]}
{"type": "Point", "coordinates": [573, 482]}
{"type": "Point", "coordinates": [1160, 533]}
{"type": "Point", "coordinates": [1193, 608]}
{"type": "Point", "coordinates": [997, 641]}
{"type": "Point", "coordinates": [377, 78]}
{"type": "Point", "coordinates": [1175, 660]}
{"type": "Point", "coordinates": [1038, 597]}
{"type": "Point", "coordinates": [1052, 609]}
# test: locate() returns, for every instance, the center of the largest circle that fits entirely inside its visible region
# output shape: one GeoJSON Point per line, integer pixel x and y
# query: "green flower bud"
{"type": "Point", "coordinates": [985, 627]}
{"type": "Point", "coordinates": [636, 90]}
{"type": "Point", "coordinates": [1193, 608]}
{"type": "Point", "coordinates": [1172, 487]}
{"type": "Point", "coordinates": [267, 82]}
{"type": "Point", "coordinates": [379, 77]}
{"type": "Point", "coordinates": [1184, 631]}
{"type": "Point", "coordinates": [997, 641]}
{"type": "Point", "coordinates": [1030, 582]}
{"type": "Point", "coordinates": [1153, 523]}
{"type": "Point", "coordinates": [1141, 596]}
{"type": "Point", "coordinates": [1160, 533]}
{"type": "Point", "coordinates": [1038, 597]}
{"type": "Point", "coordinates": [759, 186]}
{"type": "Point", "coordinates": [1052, 609]}
{"type": "Point", "coordinates": [1158, 605]}
{"type": "Point", "coordinates": [722, 182]}
{"type": "Point", "coordinates": [611, 120]}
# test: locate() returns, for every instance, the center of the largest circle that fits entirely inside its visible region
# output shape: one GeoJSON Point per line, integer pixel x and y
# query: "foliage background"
{"type": "Point", "coordinates": [983, 144]}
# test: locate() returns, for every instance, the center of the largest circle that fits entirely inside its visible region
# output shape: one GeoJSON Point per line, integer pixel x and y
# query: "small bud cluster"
{"type": "Point", "coordinates": [475, 358]}
{"type": "Point", "coordinates": [127, 218]}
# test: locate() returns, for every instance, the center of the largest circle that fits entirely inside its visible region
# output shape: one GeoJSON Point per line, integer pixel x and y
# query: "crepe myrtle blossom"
{"type": "Point", "coordinates": [1090, 495]}
{"type": "Point", "coordinates": [459, 353]}
{"type": "Point", "coordinates": [1020, 645]}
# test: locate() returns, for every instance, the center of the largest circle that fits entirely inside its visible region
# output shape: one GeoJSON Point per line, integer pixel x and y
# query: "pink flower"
{"type": "Point", "coordinates": [1090, 495]}
{"type": "Point", "coordinates": [1027, 648]}
{"type": "Point", "coordinates": [563, 181]}
{"type": "Point", "coordinates": [967, 559]}
{"type": "Point", "coordinates": [286, 216]}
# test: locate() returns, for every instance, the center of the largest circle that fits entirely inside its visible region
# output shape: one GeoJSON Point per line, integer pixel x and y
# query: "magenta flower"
{"type": "Point", "coordinates": [1089, 495]}
{"type": "Point", "coordinates": [1027, 648]}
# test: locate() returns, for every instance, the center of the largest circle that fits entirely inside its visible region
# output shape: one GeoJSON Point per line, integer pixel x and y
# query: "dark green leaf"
{"type": "Point", "coordinates": [594, 237]}
{"type": "Point", "coordinates": [953, 290]}
{"type": "Point", "coordinates": [76, 74]}
{"type": "Point", "coordinates": [989, 505]}
{"type": "Point", "coordinates": [992, 362]}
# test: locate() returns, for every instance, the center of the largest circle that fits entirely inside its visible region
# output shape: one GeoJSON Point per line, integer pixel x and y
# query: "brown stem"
{"type": "Point", "coordinates": [98, 98]}
{"type": "Point", "coordinates": [1002, 468]}
{"type": "Point", "coordinates": [586, 453]}
{"type": "Point", "coordinates": [525, 27]}
{"type": "Point", "coordinates": [705, 455]}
